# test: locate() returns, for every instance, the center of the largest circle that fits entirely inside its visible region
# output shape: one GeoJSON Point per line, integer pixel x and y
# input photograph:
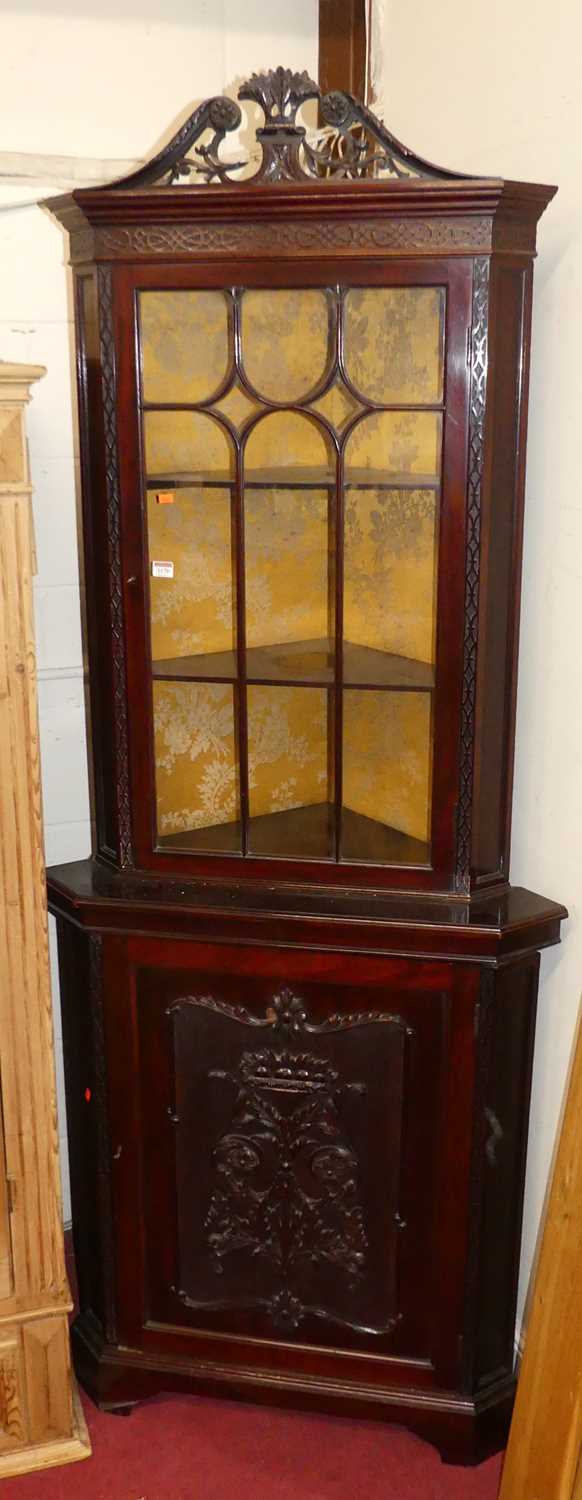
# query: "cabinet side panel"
{"type": "Point", "coordinates": [500, 568]}
{"type": "Point", "coordinates": [504, 1140]}
{"type": "Point", "coordinates": [95, 559]}
{"type": "Point", "coordinates": [80, 960]}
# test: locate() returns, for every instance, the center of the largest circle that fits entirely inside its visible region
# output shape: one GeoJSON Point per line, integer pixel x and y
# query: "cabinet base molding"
{"type": "Point", "coordinates": [48, 1455]}
{"type": "Point", "coordinates": [41, 1419]}
{"type": "Point", "coordinates": [465, 1431]}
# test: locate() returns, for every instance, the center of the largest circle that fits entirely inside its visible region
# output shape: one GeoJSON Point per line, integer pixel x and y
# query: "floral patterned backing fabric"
{"type": "Point", "coordinates": [195, 755]}
{"type": "Point", "coordinates": [392, 341]}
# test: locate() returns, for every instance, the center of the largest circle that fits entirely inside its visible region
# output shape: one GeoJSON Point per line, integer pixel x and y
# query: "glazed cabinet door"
{"type": "Point", "coordinates": [295, 455]}
{"type": "Point", "coordinates": [281, 1142]}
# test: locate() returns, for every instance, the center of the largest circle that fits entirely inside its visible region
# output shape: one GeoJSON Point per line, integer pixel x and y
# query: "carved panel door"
{"type": "Point", "coordinates": [279, 1161]}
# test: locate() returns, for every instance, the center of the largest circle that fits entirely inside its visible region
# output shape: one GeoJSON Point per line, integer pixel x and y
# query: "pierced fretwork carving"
{"type": "Point", "coordinates": [109, 397]}
{"type": "Point", "coordinates": [172, 163]}
{"type": "Point", "coordinates": [352, 144]}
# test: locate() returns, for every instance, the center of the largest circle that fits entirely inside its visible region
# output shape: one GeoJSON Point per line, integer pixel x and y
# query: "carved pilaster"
{"type": "Point", "coordinates": [108, 378]}
{"type": "Point", "coordinates": [479, 325]}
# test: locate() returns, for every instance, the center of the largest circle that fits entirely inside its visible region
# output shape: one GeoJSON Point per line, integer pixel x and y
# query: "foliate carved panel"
{"type": "Point", "coordinates": [425, 236]}
{"type": "Point", "coordinates": [287, 1179]}
{"type": "Point", "coordinates": [281, 1206]}
{"type": "Point", "coordinates": [108, 380]}
{"type": "Point", "coordinates": [479, 328]}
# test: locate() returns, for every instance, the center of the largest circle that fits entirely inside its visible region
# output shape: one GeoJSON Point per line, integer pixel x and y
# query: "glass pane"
{"type": "Point", "coordinates": [287, 594]}
{"type": "Point", "coordinates": [192, 599]}
{"type": "Point", "coordinates": [184, 344]}
{"type": "Point", "coordinates": [395, 445]}
{"type": "Point", "coordinates": [238, 407]}
{"type": "Point", "coordinates": [394, 343]}
{"type": "Point", "coordinates": [186, 446]}
{"type": "Point", "coordinates": [286, 445]}
{"type": "Point", "coordinates": [197, 800]}
{"type": "Point", "coordinates": [390, 553]}
{"type": "Point", "coordinates": [285, 341]}
{"type": "Point", "coordinates": [290, 776]}
{"type": "Point", "coordinates": [387, 750]}
{"type": "Point", "coordinates": [338, 405]}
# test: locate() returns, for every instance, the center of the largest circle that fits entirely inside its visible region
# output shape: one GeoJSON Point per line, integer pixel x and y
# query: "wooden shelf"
{"type": "Point", "coordinates": [295, 478]}
{"type": "Point", "coordinates": [303, 664]}
{"type": "Point", "coordinates": [306, 833]}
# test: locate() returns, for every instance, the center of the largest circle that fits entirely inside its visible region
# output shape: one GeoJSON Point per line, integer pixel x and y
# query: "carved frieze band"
{"type": "Point", "coordinates": [429, 236]}
{"type": "Point", "coordinates": [479, 322]}
{"type": "Point", "coordinates": [108, 379]}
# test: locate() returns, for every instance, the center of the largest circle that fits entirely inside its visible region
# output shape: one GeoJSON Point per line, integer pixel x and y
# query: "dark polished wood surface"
{"type": "Point", "coordinates": [493, 926]}
{"type": "Point", "coordinates": [303, 663]}
{"type": "Point", "coordinates": [309, 833]}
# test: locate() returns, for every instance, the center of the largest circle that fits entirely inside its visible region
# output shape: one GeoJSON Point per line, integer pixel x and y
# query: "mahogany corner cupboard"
{"type": "Point", "coordinates": [299, 992]}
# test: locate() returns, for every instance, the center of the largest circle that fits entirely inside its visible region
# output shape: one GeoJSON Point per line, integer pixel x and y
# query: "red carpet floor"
{"type": "Point", "coordinates": [190, 1448]}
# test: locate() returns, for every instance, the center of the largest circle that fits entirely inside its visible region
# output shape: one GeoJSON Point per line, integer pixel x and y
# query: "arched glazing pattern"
{"type": "Point", "coordinates": [292, 456]}
{"type": "Point", "coordinates": [287, 342]}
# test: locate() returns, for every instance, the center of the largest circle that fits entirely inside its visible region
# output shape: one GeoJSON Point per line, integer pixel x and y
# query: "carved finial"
{"type": "Point", "coordinates": [280, 93]}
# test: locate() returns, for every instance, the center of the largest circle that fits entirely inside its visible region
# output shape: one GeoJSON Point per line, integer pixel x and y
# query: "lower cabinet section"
{"type": "Point", "coordinates": [298, 1176]}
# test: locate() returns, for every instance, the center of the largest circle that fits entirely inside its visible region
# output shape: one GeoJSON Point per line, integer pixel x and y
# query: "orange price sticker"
{"type": "Point", "coordinates": [165, 497]}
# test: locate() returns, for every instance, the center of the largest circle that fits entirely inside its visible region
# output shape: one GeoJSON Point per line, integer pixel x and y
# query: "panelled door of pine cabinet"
{"type": "Point", "coordinates": [291, 1139]}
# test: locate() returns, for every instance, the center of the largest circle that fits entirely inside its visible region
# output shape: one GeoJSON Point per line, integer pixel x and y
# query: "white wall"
{"type": "Point", "coordinates": [495, 90]}
{"type": "Point", "coordinates": [94, 80]}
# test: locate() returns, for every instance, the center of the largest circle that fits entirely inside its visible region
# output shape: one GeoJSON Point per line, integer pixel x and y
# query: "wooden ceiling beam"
{"type": "Point", "coordinates": [342, 46]}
